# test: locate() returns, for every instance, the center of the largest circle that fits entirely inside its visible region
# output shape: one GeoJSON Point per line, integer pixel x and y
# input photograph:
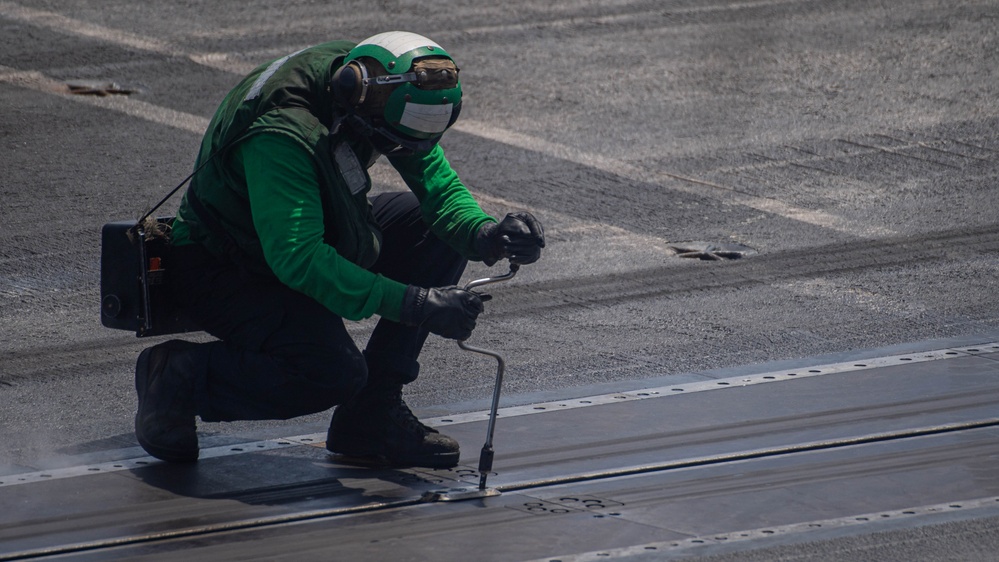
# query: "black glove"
{"type": "Point", "coordinates": [447, 311]}
{"type": "Point", "coordinates": [518, 237]}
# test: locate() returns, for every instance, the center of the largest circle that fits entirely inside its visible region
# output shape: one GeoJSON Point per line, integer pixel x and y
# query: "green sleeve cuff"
{"type": "Point", "coordinates": [392, 296]}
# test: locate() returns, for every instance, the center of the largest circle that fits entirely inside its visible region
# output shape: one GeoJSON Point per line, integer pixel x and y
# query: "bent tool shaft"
{"type": "Point", "coordinates": [486, 456]}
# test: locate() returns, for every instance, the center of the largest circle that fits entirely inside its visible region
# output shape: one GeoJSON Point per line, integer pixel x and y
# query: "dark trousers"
{"type": "Point", "coordinates": [280, 353]}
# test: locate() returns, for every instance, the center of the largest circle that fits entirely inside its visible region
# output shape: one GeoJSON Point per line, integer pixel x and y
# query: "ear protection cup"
{"type": "Point", "coordinates": [349, 84]}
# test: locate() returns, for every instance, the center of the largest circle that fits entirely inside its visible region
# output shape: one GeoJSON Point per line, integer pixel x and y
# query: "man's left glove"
{"type": "Point", "coordinates": [518, 237]}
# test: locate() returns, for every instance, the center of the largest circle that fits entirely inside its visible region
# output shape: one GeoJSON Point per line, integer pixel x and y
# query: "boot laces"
{"type": "Point", "coordinates": [401, 413]}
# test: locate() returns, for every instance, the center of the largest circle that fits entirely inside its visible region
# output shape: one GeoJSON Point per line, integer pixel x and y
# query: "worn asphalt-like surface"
{"type": "Point", "coordinates": [850, 144]}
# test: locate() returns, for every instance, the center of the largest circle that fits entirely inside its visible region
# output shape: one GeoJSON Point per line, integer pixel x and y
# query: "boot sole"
{"type": "Point", "coordinates": [169, 455]}
{"type": "Point", "coordinates": [446, 460]}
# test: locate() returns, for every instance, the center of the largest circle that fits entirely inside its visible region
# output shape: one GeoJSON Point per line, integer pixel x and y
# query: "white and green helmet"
{"type": "Point", "coordinates": [400, 86]}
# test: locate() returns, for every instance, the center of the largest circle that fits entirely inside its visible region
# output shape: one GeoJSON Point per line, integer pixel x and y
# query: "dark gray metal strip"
{"type": "Point", "coordinates": [668, 549]}
{"type": "Point", "coordinates": [518, 486]}
{"type": "Point", "coordinates": [538, 408]}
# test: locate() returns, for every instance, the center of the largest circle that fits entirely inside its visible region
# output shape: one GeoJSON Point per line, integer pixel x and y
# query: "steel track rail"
{"type": "Point", "coordinates": [277, 520]}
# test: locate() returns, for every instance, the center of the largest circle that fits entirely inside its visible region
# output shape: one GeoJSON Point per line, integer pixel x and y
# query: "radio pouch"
{"type": "Point", "coordinates": [135, 279]}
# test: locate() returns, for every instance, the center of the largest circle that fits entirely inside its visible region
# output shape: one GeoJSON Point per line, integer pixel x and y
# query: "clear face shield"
{"type": "Point", "coordinates": [385, 140]}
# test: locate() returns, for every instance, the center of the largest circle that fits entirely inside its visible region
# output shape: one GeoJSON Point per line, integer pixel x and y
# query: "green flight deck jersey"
{"type": "Point", "coordinates": [291, 195]}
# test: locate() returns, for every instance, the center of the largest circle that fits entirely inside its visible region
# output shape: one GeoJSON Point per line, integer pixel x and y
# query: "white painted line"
{"type": "Point", "coordinates": [319, 439]}
{"type": "Point", "coordinates": [153, 113]}
{"type": "Point", "coordinates": [222, 61]}
{"type": "Point", "coordinates": [676, 182]}
{"type": "Point", "coordinates": [122, 104]}
{"type": "Point", "coordinates": [70, 26]}
{"type": "Point", "coordinates": [626, 18]}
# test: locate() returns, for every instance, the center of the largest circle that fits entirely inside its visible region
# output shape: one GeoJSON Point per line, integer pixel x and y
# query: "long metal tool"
{"type": "Point", "coordinates": [486, 456]}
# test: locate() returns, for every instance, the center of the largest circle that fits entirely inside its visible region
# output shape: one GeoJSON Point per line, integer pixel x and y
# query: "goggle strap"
{"type": "Point", "coordinates": [386, 79]}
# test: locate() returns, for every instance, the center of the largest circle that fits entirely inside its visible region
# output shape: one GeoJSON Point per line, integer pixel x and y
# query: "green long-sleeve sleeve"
{"type": "Point", "coordinates": [283, 189]}
{"type": "Point", "coordinates": [447, 207]}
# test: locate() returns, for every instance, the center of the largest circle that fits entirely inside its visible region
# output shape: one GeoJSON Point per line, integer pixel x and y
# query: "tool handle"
{"type": "Point", "coordinates": [486, 456]}
{"type": "Point", "coordinates": [514, 267]}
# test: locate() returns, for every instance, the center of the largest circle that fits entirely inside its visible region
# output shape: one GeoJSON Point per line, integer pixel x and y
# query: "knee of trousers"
{"type": "Point", "coordinates": [334, 378]}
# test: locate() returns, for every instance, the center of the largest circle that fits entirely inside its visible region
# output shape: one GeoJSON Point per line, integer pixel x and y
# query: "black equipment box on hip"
{"type": "Point", "coordinates": [135, 277]}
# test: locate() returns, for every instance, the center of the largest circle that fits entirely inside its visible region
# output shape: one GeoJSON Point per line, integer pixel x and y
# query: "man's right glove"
{"type": "Point", "coordinates": [446, 311]}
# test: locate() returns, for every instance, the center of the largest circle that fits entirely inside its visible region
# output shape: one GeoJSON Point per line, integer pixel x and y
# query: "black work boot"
{"type": "Point", "coordinates": [378, 428]}
{"type": "Point", "coordinates": [164, 423]}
